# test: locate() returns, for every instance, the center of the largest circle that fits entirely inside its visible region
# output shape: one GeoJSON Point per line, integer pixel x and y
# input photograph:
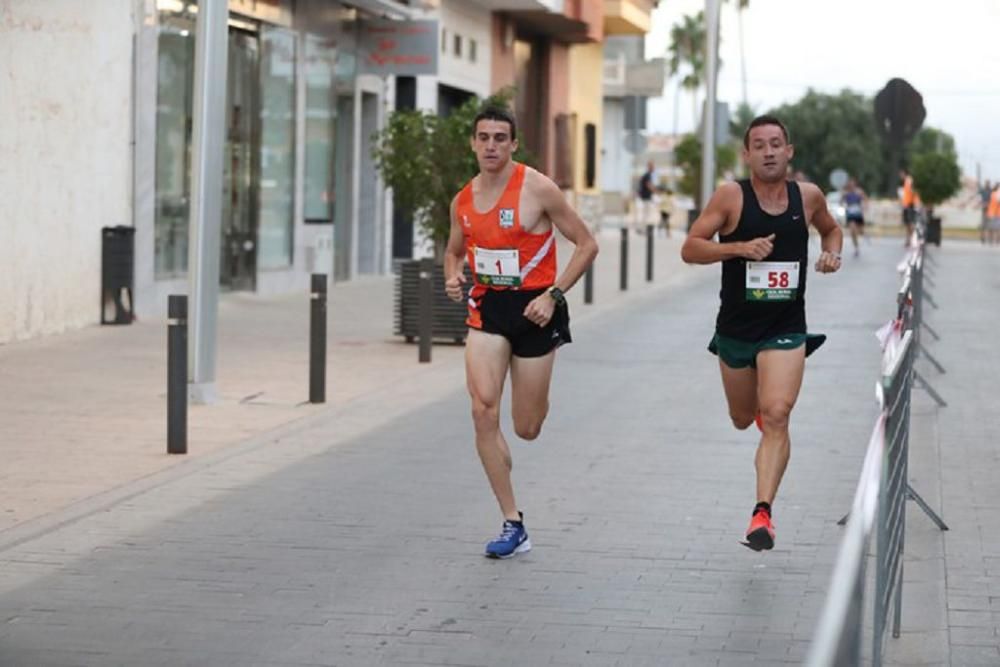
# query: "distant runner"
{"type": "Point", "coordinates": [854, 203]}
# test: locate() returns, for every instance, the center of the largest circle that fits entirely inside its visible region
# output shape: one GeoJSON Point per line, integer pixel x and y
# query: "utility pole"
{"type": "Point", "coordinates": [635, 158]}
{"type": "Point", "coordinates": [708, 119]}
{"type": "Point", "coordinates": [204, 236]}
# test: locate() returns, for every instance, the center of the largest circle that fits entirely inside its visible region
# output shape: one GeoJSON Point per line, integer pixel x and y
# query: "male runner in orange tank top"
{"type": "Point", "coordinates": [502, 223]}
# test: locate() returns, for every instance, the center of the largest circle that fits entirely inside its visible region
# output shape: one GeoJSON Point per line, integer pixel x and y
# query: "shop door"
{"type": "Point", "coordinates": [238, 268]}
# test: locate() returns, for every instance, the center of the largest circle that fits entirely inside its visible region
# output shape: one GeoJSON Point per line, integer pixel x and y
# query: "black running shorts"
{"type": "Point", "coordinates": [502, 312]}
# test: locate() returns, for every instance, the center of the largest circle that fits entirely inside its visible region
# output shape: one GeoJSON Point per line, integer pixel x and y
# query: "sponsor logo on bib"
{"type": "Point", "coordinates": [506, 218]}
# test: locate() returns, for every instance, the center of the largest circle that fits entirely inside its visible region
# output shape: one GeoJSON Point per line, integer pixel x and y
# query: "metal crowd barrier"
{"type": "Point", "coordinates": [919, 295]}
{"type": "Point", "coordinates": [896, 387]}
{"type": "Point", "coordinates": [839, 634]}
{"type": "Point", "coordinates": [879, 505]}
{"type": "Point", "coordinates": [880, 498]}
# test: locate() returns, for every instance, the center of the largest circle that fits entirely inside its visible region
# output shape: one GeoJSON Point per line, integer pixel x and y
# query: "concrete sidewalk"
{"type": "Point", "coordinates": [85, 412]}
{"type": "Point", "coordinates": [951, 592]}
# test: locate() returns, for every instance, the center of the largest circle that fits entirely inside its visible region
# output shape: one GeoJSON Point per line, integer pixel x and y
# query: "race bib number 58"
{"type": "Point", "coordinates": [772, 281]}
{"type": "Point", "coordinates": [500, 268]}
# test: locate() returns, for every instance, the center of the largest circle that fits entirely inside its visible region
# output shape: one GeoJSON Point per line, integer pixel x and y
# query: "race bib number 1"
{"type": "Point", "coordinates": [500, 268]}
{"type": "Point", "coordinates": [772, 281]}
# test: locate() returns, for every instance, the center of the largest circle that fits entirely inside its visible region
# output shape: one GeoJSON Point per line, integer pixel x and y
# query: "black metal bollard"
{"type": "Point", "coordinates": [425, 314]}
{"type": "Point", "coordinates": [317, 339]}
{"type": "Point", "coordinates": [588, 285]}
{"type": "Point", "coordinates": [623, 264]}
{"type": "Point", "coordinates": [177, 355]}
{"type": "Point", "coordinates": [649, 253]}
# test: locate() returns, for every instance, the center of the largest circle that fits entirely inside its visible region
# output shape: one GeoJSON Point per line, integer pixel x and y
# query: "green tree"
{"type": "Point", "coordinates": [426, 160]}
{"type": "Point", "coordinates": [687, 155]}
{"type": "Point", "coordinates": [687, 52]}
{"type": "Point", "coordinates": [936, 176]}
{"type": "Point", "coordinates": [931, 140]}
{"type": "Point", "coordinates": [831, 131]}
{"type": "Point", "coordinates": [740, 6]}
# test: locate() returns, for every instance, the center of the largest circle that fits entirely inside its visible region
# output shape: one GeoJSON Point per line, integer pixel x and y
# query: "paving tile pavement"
{"type": "Point", "coordinates": [85, 412]}
{"type": "Point", "coordinates": [951, 608]}
{"type": "Point", "coordinates": [354, 537]}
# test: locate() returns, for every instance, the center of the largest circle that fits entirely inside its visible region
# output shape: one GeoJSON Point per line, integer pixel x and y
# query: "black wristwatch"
{"type": "Point", "coordinates": [557, 295]}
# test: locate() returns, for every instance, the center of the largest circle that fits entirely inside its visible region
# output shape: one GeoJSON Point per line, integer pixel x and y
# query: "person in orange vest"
{"type": "Point", "coordinates": [993, 216]}
{"type": "Point", "coordinates": [503, 223]}
{"type": "Point", "coordinates": [909, 201]}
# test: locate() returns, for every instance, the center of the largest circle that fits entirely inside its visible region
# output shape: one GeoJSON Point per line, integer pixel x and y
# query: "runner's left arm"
{"type": "Point", "coordinates": [831, 236]}
{"type": "Point", "coordinates": [570, 225]}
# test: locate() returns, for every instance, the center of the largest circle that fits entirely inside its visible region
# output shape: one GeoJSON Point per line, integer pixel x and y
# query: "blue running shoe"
{"type": "Point", "coordinates": [513, 539]}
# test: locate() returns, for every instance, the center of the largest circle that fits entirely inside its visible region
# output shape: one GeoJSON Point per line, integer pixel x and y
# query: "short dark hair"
{"type": "Point", "coordinates": [493, 112]}
{"type": "Point", "coordinates": [764, 120]}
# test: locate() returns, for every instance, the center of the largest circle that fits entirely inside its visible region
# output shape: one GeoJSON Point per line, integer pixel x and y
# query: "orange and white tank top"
{"type": "Point", "coordinates": [993, 210]}
{"type": "Point", "coordinates": [501, 254]}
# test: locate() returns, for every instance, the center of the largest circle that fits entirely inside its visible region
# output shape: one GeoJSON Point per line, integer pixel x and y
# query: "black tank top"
{"type": "Point", "coordinates": [740, 316]}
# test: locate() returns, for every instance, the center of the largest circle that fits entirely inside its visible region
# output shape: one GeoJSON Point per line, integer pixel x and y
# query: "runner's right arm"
{"type": "Point", "coordinates": [699, 248]}
{"type": "Point", "coordinates": [454, 258]}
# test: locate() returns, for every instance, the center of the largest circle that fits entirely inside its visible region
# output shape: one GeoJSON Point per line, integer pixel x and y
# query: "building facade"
{"type": "Point", "coordinates": [65, 137]}
{"type": "Point", "coordinates": [629, 80]}
{"type": "Point", "coordinates": [97, 132]}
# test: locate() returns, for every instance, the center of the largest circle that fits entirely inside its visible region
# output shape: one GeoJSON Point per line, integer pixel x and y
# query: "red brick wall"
{"type": "Point", "coordinates": [557, 100]}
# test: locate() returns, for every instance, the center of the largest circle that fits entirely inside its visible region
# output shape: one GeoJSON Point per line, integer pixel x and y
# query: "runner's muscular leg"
{"type": "Point", "coordinates": [780, 378]}
{"type": "Point", "coordinates": [740, 385]}
{"type": "Point", "coordinates": [530, 378]}
{"type": "Point", "coordinates": [487, 358]}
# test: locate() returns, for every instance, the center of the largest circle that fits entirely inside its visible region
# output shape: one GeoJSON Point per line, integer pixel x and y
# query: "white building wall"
{"type": "Point", "coordinates": [65, 171]}
{"type": "Point", "coordinates": [616, 161]}
{"type": "Point", "coordinates": [472, 23]}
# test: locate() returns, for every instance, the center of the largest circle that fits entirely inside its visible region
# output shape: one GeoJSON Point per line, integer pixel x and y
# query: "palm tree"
{"type": "Point", "coordinates": [687, 50]}
{"type": "Point", "coordinates": [740, 6]}
{"type": "Point", "coordinates": [741, 119]}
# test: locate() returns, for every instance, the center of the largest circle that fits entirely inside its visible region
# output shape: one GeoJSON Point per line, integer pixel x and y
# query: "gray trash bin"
{"type": "Point", "coordinates": [933, 232]}
{"type": "Point", "coordinates": [117, 274]}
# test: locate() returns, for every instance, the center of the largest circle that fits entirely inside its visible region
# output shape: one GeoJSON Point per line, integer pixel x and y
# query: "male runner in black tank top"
{"type": "Point", "coordinates": [760, 333]}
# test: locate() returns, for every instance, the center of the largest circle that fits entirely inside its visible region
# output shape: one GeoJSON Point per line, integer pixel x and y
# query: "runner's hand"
{"type": "Point", "coordinates": [828, 262]}
{"type": "Point", "coordinates": [758, 248]}
{"type": "Point", "coordinates": [453, 287]}
{"type": "Point", "coordinates": [540, 309]}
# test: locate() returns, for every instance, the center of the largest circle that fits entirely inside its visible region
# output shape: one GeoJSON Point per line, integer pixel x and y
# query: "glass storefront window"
{"type": "Point", "coordinates": [259, 181]}
{"type": "Point", "coordinates": [277, 148]}
{"type": "Point", "coordinates": [175, 72]}
{"type": "Point", "coordinates": [320, 62]}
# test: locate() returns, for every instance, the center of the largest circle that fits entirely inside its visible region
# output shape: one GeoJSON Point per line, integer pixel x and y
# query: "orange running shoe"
{"type": "Point", "coordinates": [760, 534]}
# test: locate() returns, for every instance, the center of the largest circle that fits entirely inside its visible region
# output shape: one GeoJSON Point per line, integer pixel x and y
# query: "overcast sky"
{"type": "Point", "coordinates": [949, 51]}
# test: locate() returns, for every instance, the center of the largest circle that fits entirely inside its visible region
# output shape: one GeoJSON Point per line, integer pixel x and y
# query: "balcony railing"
{"type": "Point", "coordinates": [645, 78]}
{"type": "Point", "coordinates": [522, 5]}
